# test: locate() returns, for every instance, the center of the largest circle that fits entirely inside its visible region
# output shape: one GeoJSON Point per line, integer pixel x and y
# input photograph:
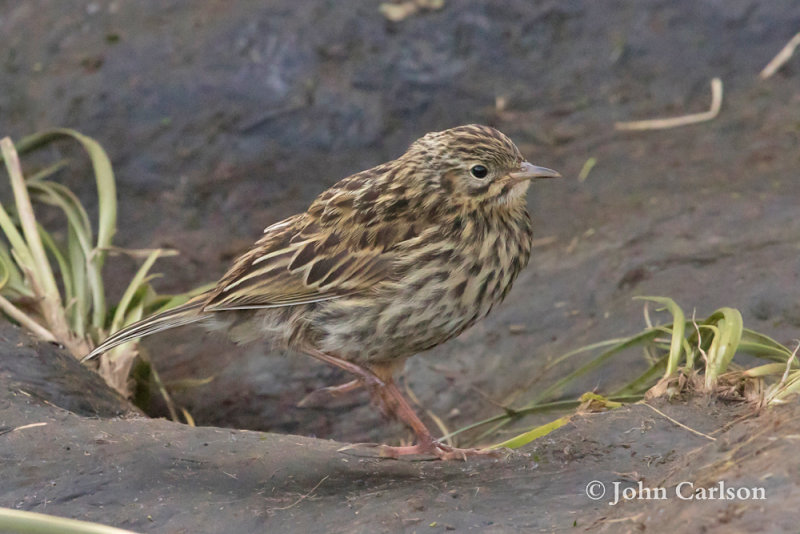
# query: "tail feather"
{"type": "Point", "coordinates": [188, 313]}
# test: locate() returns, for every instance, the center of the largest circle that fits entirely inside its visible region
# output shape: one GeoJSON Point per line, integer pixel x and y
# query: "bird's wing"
{"type": "Point", "coordinates": [322, 254]}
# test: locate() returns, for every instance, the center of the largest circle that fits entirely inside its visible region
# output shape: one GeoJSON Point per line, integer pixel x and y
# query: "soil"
{"type": "Point", "coordinates": [222, 118]}
{"type": "Point", "coordinates": [152, 475]}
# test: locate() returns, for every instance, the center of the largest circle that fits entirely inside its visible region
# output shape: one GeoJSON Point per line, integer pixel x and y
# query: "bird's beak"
{"type": "Point", "coordinates": [528, 171]}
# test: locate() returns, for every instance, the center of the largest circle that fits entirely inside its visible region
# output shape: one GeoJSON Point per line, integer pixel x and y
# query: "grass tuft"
{"type": "Point", "coordinates": [688, 356]}
{"type": "Point", "coordinates": [54, 287]}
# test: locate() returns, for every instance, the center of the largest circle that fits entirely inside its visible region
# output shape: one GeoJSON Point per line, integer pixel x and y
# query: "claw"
{"type": "Point", "coordinates": [439, 450]}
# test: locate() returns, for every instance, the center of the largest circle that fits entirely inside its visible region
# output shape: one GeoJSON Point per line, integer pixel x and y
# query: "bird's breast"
{"type": "Point", "coordinates": [445, 280]}
{"type": "Point", "coordinates": [494, 251]}
{"type": "Point", "coordinates": [454, 278]}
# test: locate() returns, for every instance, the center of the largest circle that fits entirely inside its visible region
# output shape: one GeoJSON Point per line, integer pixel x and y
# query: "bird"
{"type": "Point", "coordinates": [385, 264]}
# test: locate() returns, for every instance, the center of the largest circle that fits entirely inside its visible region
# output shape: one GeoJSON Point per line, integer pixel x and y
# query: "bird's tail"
{"type": "Point", "coordinates": [188, 313]}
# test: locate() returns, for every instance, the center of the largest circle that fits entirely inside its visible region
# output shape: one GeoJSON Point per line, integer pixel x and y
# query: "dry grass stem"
{"type": "Point", "coordinates": [703, 353]}
{"type": "Point", "coordinates": [674, 421]}
{"type": "Point", "coordinates": [436, 419]}
{"type": "Point", "coordinates": [397, 11]}
{"type": "Point", "coordinates": [38, 271]}
{"type": "Point", "coordinates": [24, 427]}
{"type": "Point", "coordinates": [674, 122]}
{"type": "Point", "coordinates": [789, 361]}
{"type": "Point", "coordinates": [139, 252]}
{"type": "Point", "coordinates": [18, 315]}
{"type": "Point", "coordinates": [302, 497]}
{"type": "Point", "coordinates": [51, 298]}
{"type": "Point", "coordinates": [586, 169]}
{"type": "Point", "coordinates": [544, 241]}
{"type": "Point", "coordinates": [781, 58]}
{"type": "Point", "coordinates": [646, 313]}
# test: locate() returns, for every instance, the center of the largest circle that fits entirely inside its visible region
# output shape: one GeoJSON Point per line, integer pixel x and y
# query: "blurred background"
{"type": "Point", "coordinates": [223, 117]}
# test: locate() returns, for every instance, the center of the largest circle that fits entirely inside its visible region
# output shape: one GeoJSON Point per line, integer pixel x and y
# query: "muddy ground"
{"type": "Point", "coordinates": [221, 118]}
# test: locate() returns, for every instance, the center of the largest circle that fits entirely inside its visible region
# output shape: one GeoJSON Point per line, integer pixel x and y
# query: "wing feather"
{"type": "Point", "coordinates": [301, 260]}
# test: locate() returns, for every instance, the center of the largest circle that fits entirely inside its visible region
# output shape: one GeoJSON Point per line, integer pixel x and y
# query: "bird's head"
{"type": "Point", "coordinates": [474, 165]}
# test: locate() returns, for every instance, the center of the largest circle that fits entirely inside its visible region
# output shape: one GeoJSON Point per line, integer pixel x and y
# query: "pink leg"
{"type": "Point", "coordinates": [391, 396]}
{"type": "Point", "coordinates": [392, 402]}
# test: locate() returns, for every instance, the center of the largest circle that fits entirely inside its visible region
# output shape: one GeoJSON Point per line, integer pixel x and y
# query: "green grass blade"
{"type": "Point", "coordinates": [647, 335]}
{"type": "Point", "coordinates": [789, 388]}
{"type": "Point", "coordinates": [539, 375]}
{"type": "Point", "coordinates": [135, 312]}
{"type": "Point", "coordinates": [165, 302]}
{"type": "Point", "coordinates": [63, 265]}
{"type": "Point", "coordinates": [103, 172]}
{"type": "Point", "coordinates": [41, 267]}
{"type": "Point", "coordinates": [48, 171]}
{"type": "Point", "coordinates": [644, 381]}
{"type": "Point", "coordinates": [13, 284]}
{"type": "Point", "coordinates": [767, 370]}
{"type": "Point", "coordinates": [765, 352]}
{"type": "Point", "coordinates": [678, 329]}
{"type": "Point", "coordinates": [18, 244]}
{"type": "Point", "coordinates": [24, 522]}
{"type": "Point", "coordinates": [80, 284]}
{"type": "Point", "coordinates": [535, 433]}
{"type": "Point", "coordinates": [5, 273]}
{"type": "Point", "coordinates": [555, 389]}
{"type": "Point", "coordinates": [59, 195]}
{"type": "Point", "coordinates": [763, 346]}
{"type": "Point", "coordinates": [107, 216]}
{"type": "Point", "coordinates": [588, 401]}
{"type": "Point", "coordinates": [127, 297]}
{"type": "Point", "coordinates": [690, 353]}
{"type": "Point", "coordinates": [585, 348]}
{"type": "Point", "coordinates": [83, 276]}
{"type": "Point", "coordinates": [513, 414]}
{"type": "Point", "coordinates": [725, 344]}
{"type": "Point", "coordinates": [539, 408]}
{"type": "Point", "coordinates": [39, 271]}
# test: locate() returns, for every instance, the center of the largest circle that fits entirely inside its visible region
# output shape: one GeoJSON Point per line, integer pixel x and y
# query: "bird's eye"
{"type": "Point", "coordinates": [479, 171]}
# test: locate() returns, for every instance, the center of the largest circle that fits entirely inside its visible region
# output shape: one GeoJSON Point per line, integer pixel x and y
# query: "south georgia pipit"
{"type": "Point", "coordinates": [388, 262]}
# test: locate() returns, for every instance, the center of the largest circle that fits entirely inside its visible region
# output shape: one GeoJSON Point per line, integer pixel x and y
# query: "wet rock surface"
{"type": "Point", "coordinates": [221, 119]}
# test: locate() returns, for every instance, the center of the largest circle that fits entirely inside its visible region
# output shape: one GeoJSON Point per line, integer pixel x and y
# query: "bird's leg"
{"type": "Point", "coordinates": [379, 382]}
{"type": "Point", "coordinates": [364, 376]}
{"type": "Point", "coordinates": [391, 397]}
{"type": "Point", "coordinates": [318, 396]}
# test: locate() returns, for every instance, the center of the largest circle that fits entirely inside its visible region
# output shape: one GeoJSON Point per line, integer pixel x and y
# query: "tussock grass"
{"type": "Point", "coordinates": [687, 356]}
{"type": "Point", "coordinates": [54, 287]}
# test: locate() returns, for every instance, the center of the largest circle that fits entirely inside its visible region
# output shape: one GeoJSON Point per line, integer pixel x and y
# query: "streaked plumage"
{"type": "Point", "coordinates": [388, 262]}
